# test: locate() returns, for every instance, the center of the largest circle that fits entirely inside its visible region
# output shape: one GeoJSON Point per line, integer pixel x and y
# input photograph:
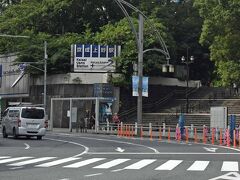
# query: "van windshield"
{"type": "Point", "coordinates": [32, 113]}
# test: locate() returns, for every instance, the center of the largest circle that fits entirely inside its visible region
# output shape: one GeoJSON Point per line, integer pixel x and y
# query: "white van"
{"type": "Point", "coordinates": [24, 121]}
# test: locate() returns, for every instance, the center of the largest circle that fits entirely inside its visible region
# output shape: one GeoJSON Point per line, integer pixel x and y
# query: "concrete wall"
{"type": "Point", "coordinates": [72, 78]}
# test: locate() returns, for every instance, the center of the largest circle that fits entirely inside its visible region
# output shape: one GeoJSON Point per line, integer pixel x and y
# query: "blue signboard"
{"type": "Point", "coordinates": [95, 58]}
{"type": "Point", "coordinates": [103, 51]}
{"type": "Point", "coordinates": [95, 49]}
{"type": "Point", "coordinates": [111, 51]}
{"type": "Point", "coordinates": [87, 50]}
{"type": "Point", "coordinates": [79, 50]}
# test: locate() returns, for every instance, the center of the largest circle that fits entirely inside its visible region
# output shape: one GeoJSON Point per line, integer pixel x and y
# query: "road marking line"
{"type": "Point", "coordinates": [110, 164]}
{"type": "Point", "coordinates": [91, 175]}
{"type": "Point", "coordinates": [84, 163]}
{"type": "Point", "coordinates": [117, 170]}
{"type": "Point", "coordinates": [27, 146]}
{"type": "Point", "coordinates": [57, 162]}
{"type": "Point", "coordinates": [169, 165]}
{"type": "Point", "coordinates": [86, 149]}
{"type": "Point", "coordinates": [16, 168]}
{"type": "Point", "coordinates": [32, 161]}
{"type": "Point", "coordinates": [13, 159]}
{"type": "Point", "coordinates": [4, 157]}
{"type": "Point", "coordinates": [161, 153]}
{"type": "Point", "coordinates": [198, 166]}
{"type": "Point", "coordinates": [109, 140]}
{"type": "Point", "coordinates": [230, 166]}
{"type": "Point", "coordinates": [140, 164]}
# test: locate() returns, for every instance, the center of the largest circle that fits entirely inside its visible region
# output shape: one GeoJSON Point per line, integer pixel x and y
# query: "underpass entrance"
{"type": "Point", "coordinates": [83, 112]}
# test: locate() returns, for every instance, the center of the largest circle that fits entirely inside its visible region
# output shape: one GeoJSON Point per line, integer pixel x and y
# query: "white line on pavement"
{"type": "Point", "coordinates": [230, 166]}
{"type": "Point", "coordinates": [13, 159]}
{"type": "Point", "coordinates": [110, 164]}
{"type": "Point", "coordinates": [27, 146]}
{"type": "Point", "coordinates": [83, 163]}
{"type": "Point", "coordinates": [70, 142]}
{"type": "Point", "coordinates": [57, 162]}
{"type": "Point", "coordinates": [91, 175]}
{"type": "Point", "coordinates": [32, 161]}
{"type": "Point", "coordinates": [198, 166]}
{"type": "Point", "coordinates": [162, 153]}
{"type": "Point", "coordinates": [140, 164]}
{"type": "Point", "coordinates": [116, 141]}
{"type": "Point", "coordinates": [169, 165]}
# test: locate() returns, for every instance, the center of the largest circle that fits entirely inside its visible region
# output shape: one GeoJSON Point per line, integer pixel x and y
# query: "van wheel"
{"type": "Point", "coordinates": [15, 133]}
{"type": "Point", "coordinates": [39, 137]}
{"type": "Point", "coordinates": [5, 135]}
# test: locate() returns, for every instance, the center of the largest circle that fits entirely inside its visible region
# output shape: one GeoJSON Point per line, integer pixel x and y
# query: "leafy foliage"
{"type": "Point", "coordinates": [65, 22]}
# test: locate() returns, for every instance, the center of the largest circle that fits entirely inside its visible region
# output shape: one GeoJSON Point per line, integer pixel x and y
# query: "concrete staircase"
{"type": "Point", "coordinates": [199, 108]}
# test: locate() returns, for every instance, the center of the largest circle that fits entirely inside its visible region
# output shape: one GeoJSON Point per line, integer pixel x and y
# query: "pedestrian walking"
{"type": "Point", "coordinates": [235, 88]}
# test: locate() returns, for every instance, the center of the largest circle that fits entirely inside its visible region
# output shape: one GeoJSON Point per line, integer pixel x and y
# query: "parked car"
{"type": "Point", "coordinates": [24, 121]}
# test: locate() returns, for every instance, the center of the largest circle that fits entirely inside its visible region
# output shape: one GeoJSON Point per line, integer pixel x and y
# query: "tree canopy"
{"type": "Point", "coordinates": [65, 22]}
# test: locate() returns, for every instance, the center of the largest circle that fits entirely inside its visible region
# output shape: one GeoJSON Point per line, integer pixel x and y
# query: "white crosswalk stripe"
{"type": "Point", "coordinates": [13, 159]}
{"type": "Point", "coordinates": [57, 162]}
{"type": "Point", "coordinates": [198, 166]}
{"type": "Point", "coordinates": [169, 165]}
{"type": "Point", "coordinates": [112, 163]}
{"type": "Point", "coordinates": [84, 163]}
{"type": "Point", "coordinates": [124, 164]}
{"type": "Point", "coordinates": [32, 161]}
{"type": "Point", "coordinates": [4, 157]}
{"type": "Point", "coordinates": [140, 164]}
{"type": "Point", "coordinates": [230, 166]}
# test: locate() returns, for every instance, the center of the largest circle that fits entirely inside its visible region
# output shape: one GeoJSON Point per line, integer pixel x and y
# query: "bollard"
{"type": "Point", "coordinates": [216, 133]}
{"type": "Point", "coordinates": [107, 127]}
{"type": "Point", "coordinates": [164, 129]}
{"type": "Point", "coordinates": [204, 134]}
{"type": "Point", "coordinates": [160, 134]}
{"type": "Point", "coordinates": [195, 135]}
{"type": "Point", "coordinates": [169, 134]}
{"type": "Point", "coordinates": [220, 138]}
{"type": "Point", "coordinates": [136, 128]}
{"type": "Point", "coordinates": [234, 138]}
{"type": "Point", "coordinates": [213, 138]}
{"type": "Point", "coordinates": [141, 132]}
{"type": "Point", "coordinates": [192, 131]}
{"type": "Point", "coordinates": [186, 129]}
{"type": "Point", "coordinates": [118, 130]}
{"type": "Point", "coordinates": [239, 139]}
{"type": "Point", "coordinates": [128, 131]}
{"type": "Point", "coordinates": [179, 135]}
{"type": "Point", "coordinates": [150, 129]}
{"type": "Point", "coordinates": [151, 138]}
{"type": "Point", "coordinates": [132, 134]}
{"type": "Point", "coordinates": [228, 138]}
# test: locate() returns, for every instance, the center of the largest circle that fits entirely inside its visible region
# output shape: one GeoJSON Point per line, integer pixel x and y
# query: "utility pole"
{"type": "Point", "coordinates": [140, 69]}
{"type": "Point", "coordinates": [45, 77]}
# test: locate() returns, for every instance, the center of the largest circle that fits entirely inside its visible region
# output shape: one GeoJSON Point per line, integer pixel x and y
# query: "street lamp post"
{"type": "Point", "coordinates": [187, 61]}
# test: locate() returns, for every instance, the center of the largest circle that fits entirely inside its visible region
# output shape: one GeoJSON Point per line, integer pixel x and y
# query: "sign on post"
{"type": "Point", "coordinates": [135, 82]}
{"type": "Point", "coordinates": [94, 58]}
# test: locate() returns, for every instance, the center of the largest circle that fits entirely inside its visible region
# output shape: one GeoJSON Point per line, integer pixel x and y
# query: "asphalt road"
{"type": "Point", "coordinates": [103, 157]}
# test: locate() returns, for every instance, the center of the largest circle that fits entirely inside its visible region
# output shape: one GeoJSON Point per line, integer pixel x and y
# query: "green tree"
{"type": "Point", "coordinates": [220, 32]}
